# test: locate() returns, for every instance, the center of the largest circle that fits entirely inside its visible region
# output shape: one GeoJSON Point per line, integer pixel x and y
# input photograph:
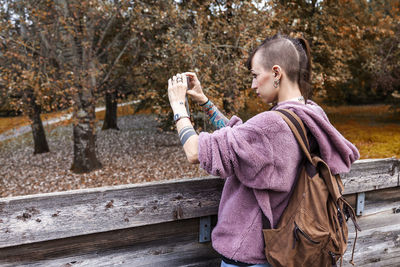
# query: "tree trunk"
{"type": "Point", "coordinates": [85, 159]}
{"type": "Point", "coordinates": [39, 135]}
{"type": "Point", "coordinates": [110, 119]}
{"type": "Point", "coordinates": [84, 136]}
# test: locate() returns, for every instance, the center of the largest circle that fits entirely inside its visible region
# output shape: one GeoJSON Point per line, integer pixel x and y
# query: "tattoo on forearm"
{"type": "Point", "coordinates": [185, 133]}
{"type": "Point", "coordinates": [215, 116]}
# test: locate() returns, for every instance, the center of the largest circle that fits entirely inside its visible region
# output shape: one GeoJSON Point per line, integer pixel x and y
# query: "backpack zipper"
{"type": "Point", "coordinates": [296, 237]}
{"type": "Point", "coordinates": [333, 256]}
{"type": "Point", "coordinates": [339, 216]}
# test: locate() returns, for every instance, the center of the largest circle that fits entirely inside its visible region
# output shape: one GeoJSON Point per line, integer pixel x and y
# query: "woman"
{"type": "Point", "coordinates": [259, 159]}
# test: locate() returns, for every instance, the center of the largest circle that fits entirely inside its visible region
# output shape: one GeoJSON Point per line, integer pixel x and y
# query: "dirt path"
{"type": "Point", "coordinates": [25, 129]}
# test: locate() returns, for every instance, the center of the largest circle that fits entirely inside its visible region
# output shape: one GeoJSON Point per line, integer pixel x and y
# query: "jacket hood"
{"type": "Point", "coordinates": [335, 150]}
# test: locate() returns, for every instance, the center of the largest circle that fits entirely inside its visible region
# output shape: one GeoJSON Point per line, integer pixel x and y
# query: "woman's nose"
{"type": "Point", "coordinates": [254, 84]}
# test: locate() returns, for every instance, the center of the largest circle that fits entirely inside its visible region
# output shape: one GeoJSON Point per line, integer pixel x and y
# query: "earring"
{"type": "Point", "coordinates": [276, 83]}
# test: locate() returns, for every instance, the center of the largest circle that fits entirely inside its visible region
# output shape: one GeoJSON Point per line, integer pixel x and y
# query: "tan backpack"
{"type": "Point", "coordinates": [312, 230]}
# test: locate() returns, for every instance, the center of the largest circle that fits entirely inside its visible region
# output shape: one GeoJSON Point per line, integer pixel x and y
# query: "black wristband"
{"type": "Point", "coordinates": [204, 102]}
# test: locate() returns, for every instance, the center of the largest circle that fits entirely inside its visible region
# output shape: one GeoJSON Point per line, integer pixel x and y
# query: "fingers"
{"type": "Point", "coordinates": [183, 74]}
{"type": "Point", "coordinates": [182, 78]}
{"type": "Point", "coordinates": [191, 93]}
{"type": "Point", "coordinates": [192, 74]}
{"type": "Point", "coordinates": [178, 81]}
{"type": "Point", "coordinates": [178, 78]}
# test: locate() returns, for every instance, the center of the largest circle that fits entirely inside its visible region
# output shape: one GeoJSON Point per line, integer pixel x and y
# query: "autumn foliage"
{"type": "Point", "coordinates": [355, 47]}
{"type": "Point", "coordinates": [72, 54]}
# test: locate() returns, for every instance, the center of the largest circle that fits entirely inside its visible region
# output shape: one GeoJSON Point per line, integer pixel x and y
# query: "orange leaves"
{"type": "Point", "coordinates": [214, 39]}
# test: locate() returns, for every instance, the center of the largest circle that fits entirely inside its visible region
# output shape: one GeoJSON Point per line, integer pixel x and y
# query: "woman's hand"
{"type": "Point", "coordinates": [195, 90]}
{"type": "Point", "coordinates": [177, 88]}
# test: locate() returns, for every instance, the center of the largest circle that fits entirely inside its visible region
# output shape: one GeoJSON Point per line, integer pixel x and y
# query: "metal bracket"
{"type": "Point", "coordinates": [360, 203]}
{"type": "Point", "coordinates": [205, 229]}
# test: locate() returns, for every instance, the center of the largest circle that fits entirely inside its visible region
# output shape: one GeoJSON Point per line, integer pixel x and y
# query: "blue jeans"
{"type": "Point", "coordinates": [224, 264]}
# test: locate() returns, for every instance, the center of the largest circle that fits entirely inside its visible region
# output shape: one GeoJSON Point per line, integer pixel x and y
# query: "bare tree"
{"type": "Point", "coordinates": [21, 71]}
{"type": "Point", "coordinates": [91, 50]}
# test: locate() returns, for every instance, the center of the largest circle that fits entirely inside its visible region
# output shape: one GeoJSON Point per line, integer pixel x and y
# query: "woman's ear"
{"type": "Point", "coordinates": [277, 71]}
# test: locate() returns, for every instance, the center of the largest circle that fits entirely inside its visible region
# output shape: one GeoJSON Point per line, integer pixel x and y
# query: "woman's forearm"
{"type": "Point", "coordinates": [215, 116]}
{"type": "Point", "coordinates": [178, 87]}
{"type": "Point", "coordinates": [188, 136]}
{"type": "Point", "coordinates": [189, 140]}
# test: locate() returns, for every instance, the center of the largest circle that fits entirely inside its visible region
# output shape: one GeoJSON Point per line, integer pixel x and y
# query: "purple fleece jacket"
{"type": "Point", "coordinates": [260, 160]}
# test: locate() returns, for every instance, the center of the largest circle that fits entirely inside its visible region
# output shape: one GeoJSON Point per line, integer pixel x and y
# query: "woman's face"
{"type": "Point", "coordinates": [263, 80]}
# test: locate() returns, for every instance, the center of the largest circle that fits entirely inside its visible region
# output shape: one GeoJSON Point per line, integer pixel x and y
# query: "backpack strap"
{"type": "Point", "coordinates": [298, 129]}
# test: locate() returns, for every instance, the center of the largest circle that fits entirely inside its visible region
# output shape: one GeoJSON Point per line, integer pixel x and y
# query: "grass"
{"type": "Point", "coordinates": [372, 128]}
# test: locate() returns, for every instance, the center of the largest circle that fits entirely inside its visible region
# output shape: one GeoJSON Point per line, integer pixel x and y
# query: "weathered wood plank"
{"type": "Point", "coordinates": [382, 201]}
{"type": "Point", "coordinates": [378, 200]}
{"type": "Point", "coordinates": [379, 249]}
{"type": "Point", "coordinates": [378, 243]}
{"type": "Point", "coordinates": [372, 174]}
{"type": "Point", "coordinates": [37, 218]}
{"type": "Point", "coordinates": [178, 251]}
{"type": "Point", "coordinates": [51, 216]}
{"type": "Point", "coordinates": [383, 220]}
{"type": "Point", "coordinates": [188, 228]}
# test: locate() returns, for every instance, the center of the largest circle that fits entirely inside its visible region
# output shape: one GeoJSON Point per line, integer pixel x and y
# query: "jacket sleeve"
{"type": "Point", "coordinates": [239, 149]}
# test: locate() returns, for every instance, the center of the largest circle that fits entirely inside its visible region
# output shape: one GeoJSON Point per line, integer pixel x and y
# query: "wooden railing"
{"type": "Point", "coordinates": [158, 224]}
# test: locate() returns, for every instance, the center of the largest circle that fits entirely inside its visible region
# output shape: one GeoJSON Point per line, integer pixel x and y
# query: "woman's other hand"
{"type": "Point", "coordinates": [177, 88]}
{"type": "Point", "coordinates": [195, 90]}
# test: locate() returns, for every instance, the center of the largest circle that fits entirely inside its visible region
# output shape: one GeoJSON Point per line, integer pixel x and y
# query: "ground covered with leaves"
{"type": "Point", "coordinates": [138, 152]}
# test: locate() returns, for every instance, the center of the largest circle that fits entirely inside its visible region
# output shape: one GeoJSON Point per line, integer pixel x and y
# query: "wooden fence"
{"type": "Point", "coordinates": [162, 223]}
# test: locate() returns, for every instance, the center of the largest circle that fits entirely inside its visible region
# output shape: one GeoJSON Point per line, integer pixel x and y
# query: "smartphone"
{"type": "Point", "coordinates": [187, 101]}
